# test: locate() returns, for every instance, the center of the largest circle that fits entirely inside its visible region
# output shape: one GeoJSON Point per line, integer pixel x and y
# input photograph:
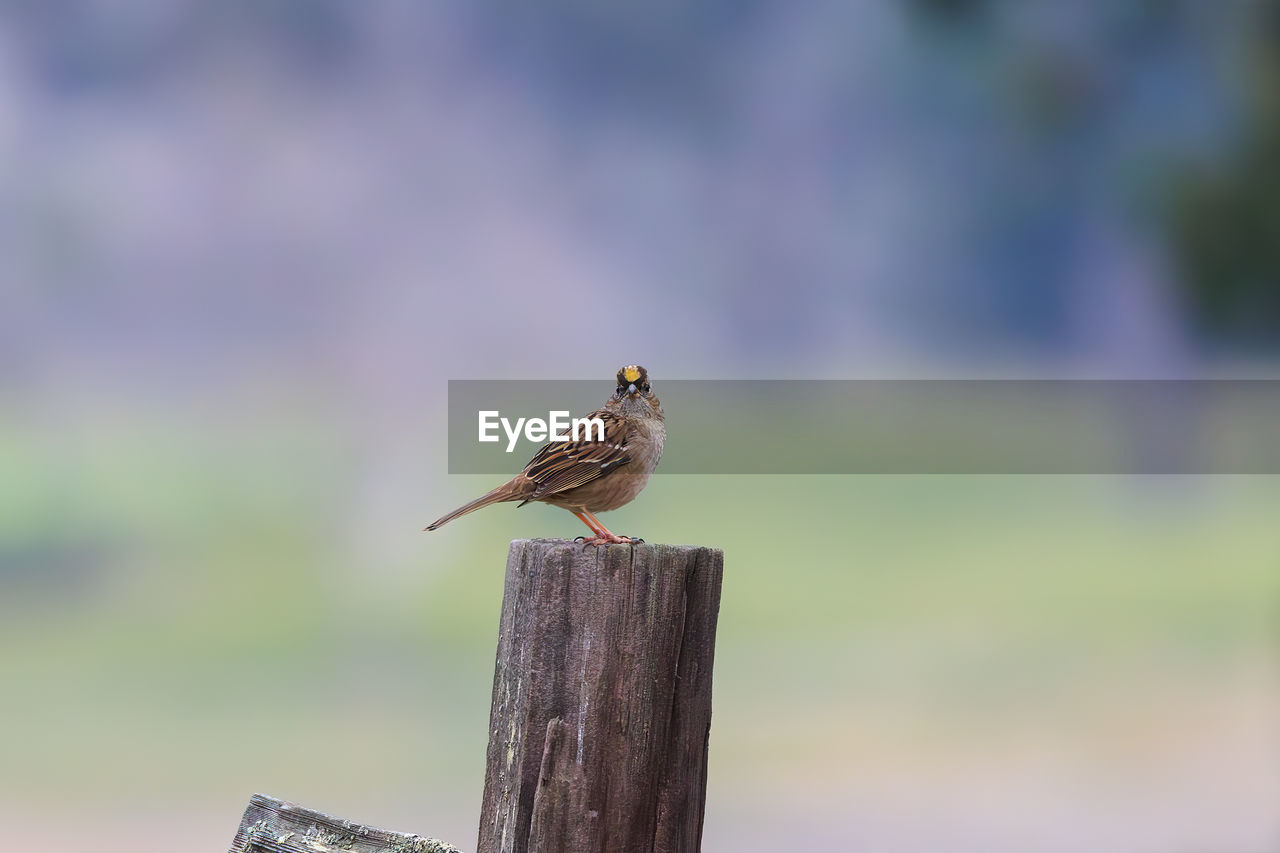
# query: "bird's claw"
{"type": "Point", "coordinates": [611, 539]}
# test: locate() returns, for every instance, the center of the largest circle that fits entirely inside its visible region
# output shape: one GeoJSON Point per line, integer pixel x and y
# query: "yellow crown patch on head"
{"type": "Point", "coordinates": [631, 373]}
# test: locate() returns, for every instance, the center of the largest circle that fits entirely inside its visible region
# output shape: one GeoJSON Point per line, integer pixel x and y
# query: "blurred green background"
{"type": "Point", "coordinates": [247, 244]}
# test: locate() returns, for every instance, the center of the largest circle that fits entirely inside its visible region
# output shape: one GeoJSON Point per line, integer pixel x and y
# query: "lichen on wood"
{"type": "Point", "coordinates": [275, 826]}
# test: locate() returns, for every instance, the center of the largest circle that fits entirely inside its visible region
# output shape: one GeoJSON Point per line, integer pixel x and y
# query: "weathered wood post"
{"type": "Point", "coordinates": [275, 826]}
{"type": "Point", "coordinates": [601, 699]}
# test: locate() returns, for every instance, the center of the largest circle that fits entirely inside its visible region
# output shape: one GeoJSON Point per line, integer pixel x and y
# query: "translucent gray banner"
{"type": "Point", "coordinates": [904, 426]}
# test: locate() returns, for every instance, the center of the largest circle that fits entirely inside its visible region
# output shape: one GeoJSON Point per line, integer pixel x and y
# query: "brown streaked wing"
{"type": "Point", "coordinates": [563, 465]}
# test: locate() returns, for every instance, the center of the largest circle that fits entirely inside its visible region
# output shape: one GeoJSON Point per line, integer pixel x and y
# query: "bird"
{"type": "Point", "coordinates": [590, 476]}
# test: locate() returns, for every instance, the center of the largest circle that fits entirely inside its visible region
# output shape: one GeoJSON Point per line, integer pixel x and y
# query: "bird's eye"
{"type": "Point", "coordinates": [645, 387]}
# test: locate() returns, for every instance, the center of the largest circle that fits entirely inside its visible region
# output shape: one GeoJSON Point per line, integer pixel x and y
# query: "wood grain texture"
{"type": "Point", "coordinates": [601, 699]}
{"type": "Point", "coordinates": [275, 826]}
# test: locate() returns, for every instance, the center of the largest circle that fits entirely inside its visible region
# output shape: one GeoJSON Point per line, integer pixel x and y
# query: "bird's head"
{"type": "Point", "coordinates": [633, 381]}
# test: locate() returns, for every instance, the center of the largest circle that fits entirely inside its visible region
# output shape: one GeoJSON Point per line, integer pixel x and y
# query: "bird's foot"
{"type": "Point", "coordinates": [609, 539]}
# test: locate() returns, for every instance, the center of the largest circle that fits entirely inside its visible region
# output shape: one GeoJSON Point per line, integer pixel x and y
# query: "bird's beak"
{"type": "Point", "coordinates": [631, 389]}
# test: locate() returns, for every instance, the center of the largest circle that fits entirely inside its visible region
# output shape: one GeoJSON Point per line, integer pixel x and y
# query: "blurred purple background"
{"type": "Point", "coordinates": [198, 191]}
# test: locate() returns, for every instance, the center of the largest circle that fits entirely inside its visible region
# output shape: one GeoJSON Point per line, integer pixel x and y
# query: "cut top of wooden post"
{"type": "Point", "coordinates": [601, 698]}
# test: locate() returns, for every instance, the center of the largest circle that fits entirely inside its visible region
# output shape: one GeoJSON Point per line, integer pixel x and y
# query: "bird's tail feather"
{"type": "Point", "coordinates": [498, 495]}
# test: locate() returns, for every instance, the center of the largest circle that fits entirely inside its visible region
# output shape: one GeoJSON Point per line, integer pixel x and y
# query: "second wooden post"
{"type": "Point", "coordinates": [601, 699]}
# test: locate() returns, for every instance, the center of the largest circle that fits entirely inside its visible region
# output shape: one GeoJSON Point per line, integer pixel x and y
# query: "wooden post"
{"type": "Point", "coordinates": [601, 699]}
{"type": "Point", "coordinates": [275, 826]}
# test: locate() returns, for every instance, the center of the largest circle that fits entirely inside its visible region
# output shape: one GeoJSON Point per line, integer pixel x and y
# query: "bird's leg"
{"type": "Point", "coordinates": [603, 536]}
{"type": "Point", "coordinates": [596, 527]}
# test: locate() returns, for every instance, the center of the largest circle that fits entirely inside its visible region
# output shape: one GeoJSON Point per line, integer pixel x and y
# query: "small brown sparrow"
{"type": "Point", "coordinates": [590, 476]}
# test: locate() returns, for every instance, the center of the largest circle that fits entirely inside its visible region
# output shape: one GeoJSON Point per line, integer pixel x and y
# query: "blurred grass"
{"type": "Point", "coordinates": [187, 612]}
